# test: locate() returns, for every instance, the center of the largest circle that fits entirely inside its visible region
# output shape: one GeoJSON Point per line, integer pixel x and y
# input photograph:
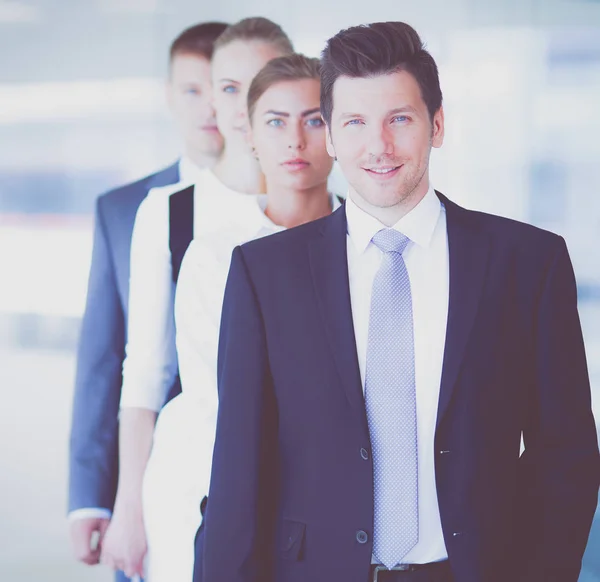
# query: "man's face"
{"type": "Point", "coordinates": [382, 136]}
{"type": "Point", "coordinates": [189, 93]}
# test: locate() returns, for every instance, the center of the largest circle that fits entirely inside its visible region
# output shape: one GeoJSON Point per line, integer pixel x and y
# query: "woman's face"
{"type": "Point", "coordinates": [288, 134]}
{"type": "Point", "coordinates": [233, 68]}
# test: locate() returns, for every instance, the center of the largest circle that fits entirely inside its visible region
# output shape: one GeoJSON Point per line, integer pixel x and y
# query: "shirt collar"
{"type": "Point", "coordinates": [418, 225]}
{"type": "Point", "coordinates": [189, 172]}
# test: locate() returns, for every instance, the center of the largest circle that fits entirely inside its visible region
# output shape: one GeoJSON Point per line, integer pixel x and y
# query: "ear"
{"type": "Point", "coordinates": [329, 142]}
{"type": "Point", "coordinates": [437, 138]}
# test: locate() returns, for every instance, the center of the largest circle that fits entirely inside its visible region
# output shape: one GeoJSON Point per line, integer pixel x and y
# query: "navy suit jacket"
{"type": "Point", "coordinates": [291, 495]}
{"type": "Point", "coordinates": [93, 460]}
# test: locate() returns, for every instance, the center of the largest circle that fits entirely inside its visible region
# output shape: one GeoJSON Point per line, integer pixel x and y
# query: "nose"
{"type": "Point", "coordinates": [241, 112]}
{"type": "Point", "coordinates": [297, 137]}
{"type": "Point", "coordinates": [209, 111]}
{"type": "Point", "coordinates": [211, 108]}
{"type": "Point", "coordinates": [241, 119]}
{"type": "Point", "coordinates": [205, 109]}
{"type": "Point", "coordinates": [211, 96]}
{"type": "Point", "coordinates": [381, 142]}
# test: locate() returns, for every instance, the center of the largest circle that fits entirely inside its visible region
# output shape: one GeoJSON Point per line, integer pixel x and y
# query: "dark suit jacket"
{"type": "Point", "coordinates": [93, 460]}
{"type": "Point", "coordinates": [291, 496]}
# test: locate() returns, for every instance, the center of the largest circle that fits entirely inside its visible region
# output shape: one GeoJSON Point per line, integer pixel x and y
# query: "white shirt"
{"type": "Point", "coordinates": [198, 307]}
{"type": "Point", "coordinates": [426, 259]}
{"type": "Point", "coordinates": [189, 172]}
{"type": "Point", "coordinates": [150, 365]}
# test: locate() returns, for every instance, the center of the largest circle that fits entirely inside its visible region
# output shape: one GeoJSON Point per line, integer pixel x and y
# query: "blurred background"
{"type": "Point", "coordinates": [82, 110]}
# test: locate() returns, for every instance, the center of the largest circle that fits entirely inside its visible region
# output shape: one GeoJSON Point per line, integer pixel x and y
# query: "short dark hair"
{"type": "Point", "coordinates": [257, 29]}
{"type": "Point", "coordinates": [376, 49]}
{"type": "Point", "coordinates": [198, 40]}
{"type": "Point", "coordinates": [292, 67]}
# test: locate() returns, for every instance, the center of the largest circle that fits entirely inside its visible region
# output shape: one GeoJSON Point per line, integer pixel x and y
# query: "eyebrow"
{"type": "Point", "coordinates": [284, 114]}
{"type": "Point", "coordinates": [229, 81]}
{"type": "Point", "coordinates": [404, 109]}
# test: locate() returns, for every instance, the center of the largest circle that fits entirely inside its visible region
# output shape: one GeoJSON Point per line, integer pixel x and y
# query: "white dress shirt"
{"type": "Point", "coordinates": [426, 259]}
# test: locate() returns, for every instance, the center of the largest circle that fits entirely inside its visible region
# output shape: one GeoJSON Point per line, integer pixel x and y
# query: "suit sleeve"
{"type": "Point", "coordinates": [561, 446]}
{"type": "Point", "coordinates": [242, 499]}
{"type": "Point", "coordinates": [94, 427]}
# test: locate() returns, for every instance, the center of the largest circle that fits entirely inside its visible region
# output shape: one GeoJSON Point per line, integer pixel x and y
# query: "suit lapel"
{"type": "Point", "coordinates": [329, 269]}
{"type": "Point", "coordinates": [468, 256]}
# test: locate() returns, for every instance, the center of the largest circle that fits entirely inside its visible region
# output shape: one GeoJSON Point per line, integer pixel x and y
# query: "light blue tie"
{"type": "Point", "coordinates": [391, 404]}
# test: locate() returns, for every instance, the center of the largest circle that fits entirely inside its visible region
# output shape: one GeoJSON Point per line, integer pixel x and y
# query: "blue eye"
{"type": "Point", "coordinates": [401, 118]}
{"type": "Point", "coordinates": [275, 122]}
{"type": "Point", "coordinates": [316, 122]}
{"type": "Point", "coordinates": [354, 122]}
{"type": "Point", "coordinates": [192, 91]}
{"type": "Point", "coordinates": [230, 89]}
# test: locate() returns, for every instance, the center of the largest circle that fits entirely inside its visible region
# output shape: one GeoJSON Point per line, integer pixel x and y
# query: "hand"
{"type": "Point", "coordinates": [124, 546]}
{"type": "Point", "coordinates": [85, 548]}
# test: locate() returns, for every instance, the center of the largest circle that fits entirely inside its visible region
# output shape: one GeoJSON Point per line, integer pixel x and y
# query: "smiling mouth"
{"type": "Point", "coordinates": [383, 171]}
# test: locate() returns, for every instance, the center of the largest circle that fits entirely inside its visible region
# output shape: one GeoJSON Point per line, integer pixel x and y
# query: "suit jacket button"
{"type": "Point", "coordinates": [364, 454]}
{"type": "Point", "coordinates": [362, 537]}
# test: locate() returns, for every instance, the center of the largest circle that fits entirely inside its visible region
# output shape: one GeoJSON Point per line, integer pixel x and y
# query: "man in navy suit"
{"type": "Point", "coordinates": [94, 431]}
{"type": "Point", "coordinates": [378, 368]}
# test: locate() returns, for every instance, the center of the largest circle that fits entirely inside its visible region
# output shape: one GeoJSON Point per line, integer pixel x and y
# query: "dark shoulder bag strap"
{"type": "Point", "coordinates": [181, 233]}
{"type": "Point", "coordinates": [181, 227]}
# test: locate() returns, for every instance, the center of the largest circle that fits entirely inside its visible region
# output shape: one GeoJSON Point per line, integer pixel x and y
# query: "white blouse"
{"type": "Point", "coordinates": [198, 306]}
{"type": "Point", "coordinates": [150, 365]}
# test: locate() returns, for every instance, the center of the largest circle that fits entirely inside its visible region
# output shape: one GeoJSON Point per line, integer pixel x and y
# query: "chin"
{"type": "Point", "coordinates": [211, 147]}
{"type": "Point", "coordinates": [291, 181]}
{"type": "Point", "coordinates": [381, 199]}
{"type": "Point", "coordinates": [307, 184]}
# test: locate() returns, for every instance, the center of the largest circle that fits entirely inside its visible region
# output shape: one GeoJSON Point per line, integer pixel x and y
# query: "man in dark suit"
{"type": "Point", "coordinates": [378, 368]}
{"type": "Point", "coordinates": [94, 431]}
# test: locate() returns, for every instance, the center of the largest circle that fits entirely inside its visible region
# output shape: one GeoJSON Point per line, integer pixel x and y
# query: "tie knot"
{"type": "Point", "coordinates": [389, 240]}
